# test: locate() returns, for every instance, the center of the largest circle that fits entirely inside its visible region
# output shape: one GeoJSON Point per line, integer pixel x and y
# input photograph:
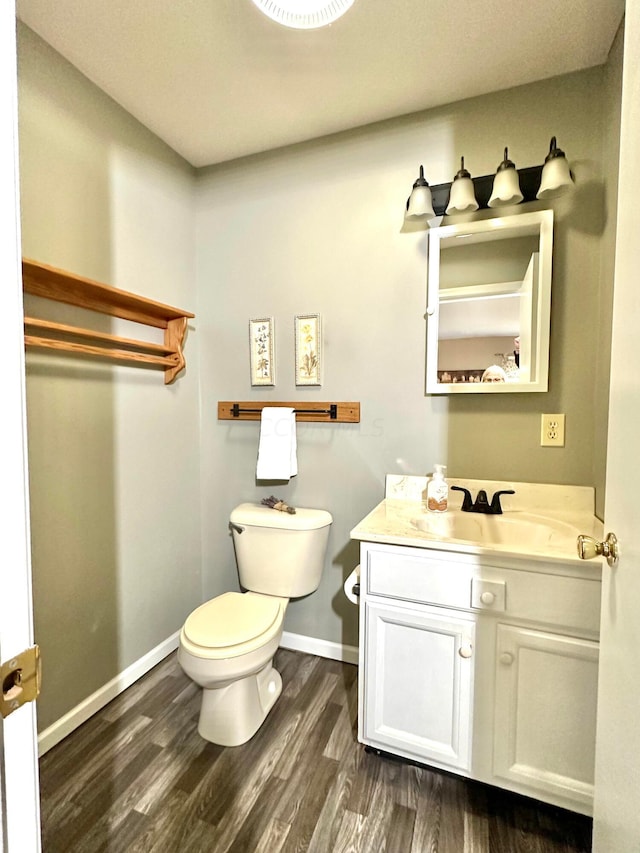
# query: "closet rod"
{"type": "Point", "coordinates": [166, 361]}
{"type": "Point", "coordinates": [77, 332]}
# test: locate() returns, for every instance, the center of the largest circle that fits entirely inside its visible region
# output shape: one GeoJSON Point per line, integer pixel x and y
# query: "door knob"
{"type": "Point", "coordinates": [588, 548]}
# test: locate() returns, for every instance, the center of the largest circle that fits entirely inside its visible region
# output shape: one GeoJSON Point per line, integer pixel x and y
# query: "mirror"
{"type": "Point", "coordinates": [489, 305]}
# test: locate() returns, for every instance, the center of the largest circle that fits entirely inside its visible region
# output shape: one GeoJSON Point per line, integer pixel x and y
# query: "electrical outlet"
{"type": "Point", "coordinates": [552, 431]}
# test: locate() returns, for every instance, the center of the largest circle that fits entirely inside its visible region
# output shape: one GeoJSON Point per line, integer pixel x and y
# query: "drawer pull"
{"type": "Point", "coordinates": [506, 658]}
{"type": "Point", "coordinates": [487, 598]}
{"type": "Point", "coordinates": [465, 651]}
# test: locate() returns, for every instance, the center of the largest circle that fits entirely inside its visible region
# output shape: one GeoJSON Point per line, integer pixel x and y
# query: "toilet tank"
{"type": "Point", "coordinates": [279, 553]}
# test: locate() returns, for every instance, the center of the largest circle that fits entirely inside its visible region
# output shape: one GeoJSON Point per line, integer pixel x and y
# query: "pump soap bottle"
{"type": "Point", "coordinates": [438, 490]}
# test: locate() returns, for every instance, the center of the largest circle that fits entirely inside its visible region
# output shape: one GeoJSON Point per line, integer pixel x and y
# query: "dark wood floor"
{"type": "Point", "coordinates": [138, 777]}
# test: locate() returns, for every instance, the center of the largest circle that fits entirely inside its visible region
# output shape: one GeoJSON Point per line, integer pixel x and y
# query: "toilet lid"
{"type": "Point", "coordinates": [231, 618]}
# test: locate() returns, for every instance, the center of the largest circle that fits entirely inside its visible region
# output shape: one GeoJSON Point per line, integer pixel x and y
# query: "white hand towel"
{"type": "Point", "coordinates": [277, 451]}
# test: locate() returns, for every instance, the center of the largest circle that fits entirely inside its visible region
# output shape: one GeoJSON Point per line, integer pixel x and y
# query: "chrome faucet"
{"type": "Point", "coordinates": [481, 503]}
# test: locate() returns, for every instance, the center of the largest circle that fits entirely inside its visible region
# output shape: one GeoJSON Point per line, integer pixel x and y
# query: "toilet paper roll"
{"type": "Point", "coordinates": [351, 581]}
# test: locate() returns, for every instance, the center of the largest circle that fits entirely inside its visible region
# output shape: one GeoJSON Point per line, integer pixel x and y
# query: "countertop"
{"type": "Point", "coordinates": [541, 523]}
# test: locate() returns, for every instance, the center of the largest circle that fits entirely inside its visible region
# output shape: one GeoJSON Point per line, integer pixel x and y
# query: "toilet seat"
{"type": "Point", "coordinates": [233, 624]}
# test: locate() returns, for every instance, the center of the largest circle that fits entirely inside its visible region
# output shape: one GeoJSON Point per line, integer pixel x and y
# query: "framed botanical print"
{"type": "Point", "coordinates": [308, 339]}
{"type": "Point", "coordinates": [261, 348]}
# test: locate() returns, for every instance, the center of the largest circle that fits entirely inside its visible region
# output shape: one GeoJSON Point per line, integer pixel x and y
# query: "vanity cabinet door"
{"type": "Point", "coordinates": [545, 714]}
{"type": "Point", "coordinates": [418, 684]}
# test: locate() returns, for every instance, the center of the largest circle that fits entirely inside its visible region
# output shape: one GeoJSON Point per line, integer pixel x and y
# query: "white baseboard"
{"type": "Point", "coordinates": [322, 648]}
{"type": "Point", "coordinates": [81, 713]}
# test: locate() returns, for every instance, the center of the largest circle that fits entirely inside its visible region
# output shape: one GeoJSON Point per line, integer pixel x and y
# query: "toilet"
{"type": "Point", "coordinates": [228, 643]}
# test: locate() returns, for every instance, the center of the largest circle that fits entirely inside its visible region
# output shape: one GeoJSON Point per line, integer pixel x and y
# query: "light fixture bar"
{"type": "Point", "coordinates": [529, 185]}
{"type": "Point", "coordinates": [508, 187]}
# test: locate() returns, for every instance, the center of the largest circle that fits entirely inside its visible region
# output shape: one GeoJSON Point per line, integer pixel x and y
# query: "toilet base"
{"type": "Point", "coordinates": [231, 715]}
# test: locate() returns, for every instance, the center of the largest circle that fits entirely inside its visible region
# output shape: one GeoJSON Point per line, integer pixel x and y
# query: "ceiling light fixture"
{"type": "Point", "coordinates": [304, 14]}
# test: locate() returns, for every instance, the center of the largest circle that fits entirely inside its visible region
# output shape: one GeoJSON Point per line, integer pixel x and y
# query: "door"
{"type": "Point", "coordinates": [617, 783]}
{"type": "Point", "coordinates": [19, 795]}
{"type": "Point", "coordinates": [418, 684]}
{"type": "Point", "coordinates": [545, 714]}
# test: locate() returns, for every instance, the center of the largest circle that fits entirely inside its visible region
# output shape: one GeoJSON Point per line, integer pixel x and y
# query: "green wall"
{"type": "Point", "coordinates": [113, 453]}
{"type": "Point", "coordinates": [319, 228]}
{"type": "Point", "coordinates": [132, 482]}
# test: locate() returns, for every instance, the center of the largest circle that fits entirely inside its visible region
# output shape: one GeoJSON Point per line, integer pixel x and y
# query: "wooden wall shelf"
{"type": "Point", "coordinates": [60, 286]}
{"type": "Point", "coordinates": [332, 413]}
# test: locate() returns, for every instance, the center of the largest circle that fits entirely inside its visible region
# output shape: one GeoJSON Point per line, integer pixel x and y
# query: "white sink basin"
{"type": "Point", "coordinates": [519, 529]}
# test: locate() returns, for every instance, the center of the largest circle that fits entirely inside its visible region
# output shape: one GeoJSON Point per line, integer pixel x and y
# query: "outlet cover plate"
{"type": "Point", "coordinates": [552, 430]}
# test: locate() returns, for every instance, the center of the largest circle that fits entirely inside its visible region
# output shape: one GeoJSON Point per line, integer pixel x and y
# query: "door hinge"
{"type": "Point", "coordinates": [20, 678]}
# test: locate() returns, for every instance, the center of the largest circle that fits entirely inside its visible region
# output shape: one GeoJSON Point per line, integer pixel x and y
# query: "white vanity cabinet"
{"type": "Point", "coordinates": [545, 713]}
{"type": "Point", "coordinates": [486, 667]}
{"type": "Point", "coordinates": [418, 683]}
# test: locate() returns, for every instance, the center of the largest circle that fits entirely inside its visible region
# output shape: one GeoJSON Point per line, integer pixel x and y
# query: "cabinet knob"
{"type": "Point", "coordinates": [465, 651]}
{"type": "Point", "coordinates": [487, 598]}
{"type": "Point", "coordinates": [506, 658]}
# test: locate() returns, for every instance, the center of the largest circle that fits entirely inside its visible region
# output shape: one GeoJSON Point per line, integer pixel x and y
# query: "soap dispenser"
{"type": "Point", "coordinates": [438, 490]}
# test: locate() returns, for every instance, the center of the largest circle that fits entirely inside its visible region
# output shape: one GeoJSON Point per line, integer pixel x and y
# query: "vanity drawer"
{"type": "Point", "coordinates": [557, 600]}
{"type": "Point", "coordinates": [547, 597]}
{"type": "Point", "coordinates": [419, 577]}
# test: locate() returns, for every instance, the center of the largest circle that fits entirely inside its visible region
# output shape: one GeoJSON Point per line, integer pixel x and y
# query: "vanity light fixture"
{"type": "Point", "coordinates": [506, 184]}
{"type": "Point", "coordinates": [303, 14]}
{"type": "Point", "coordinates": [556, 175]}
{"type": "Point", "coordinates": [507, 187]}
{"type": "Point", "coordinates": [463, 196]}
{"type": "Point", "coordinates": [420, 204]}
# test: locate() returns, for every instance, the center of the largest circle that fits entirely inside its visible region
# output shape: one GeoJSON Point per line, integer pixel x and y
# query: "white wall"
{"type": "Point", "coordinates": [113, 452]}
{"type": "Point", "coordinates": [319, 228]}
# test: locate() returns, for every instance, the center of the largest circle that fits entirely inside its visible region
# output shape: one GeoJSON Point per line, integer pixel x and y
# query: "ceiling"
{"type": "Point", "coordinates": [217, 80]}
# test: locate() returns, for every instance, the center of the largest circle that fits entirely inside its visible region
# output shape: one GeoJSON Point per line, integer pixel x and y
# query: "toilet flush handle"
{"type": "Point", "coordinates": [236, 527]}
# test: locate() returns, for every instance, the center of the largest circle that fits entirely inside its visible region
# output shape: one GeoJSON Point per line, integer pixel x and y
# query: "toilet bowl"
{"type": "Point", "coordinates": [227, 647]}
{"type": "Point", "coordinates": [227, 644]}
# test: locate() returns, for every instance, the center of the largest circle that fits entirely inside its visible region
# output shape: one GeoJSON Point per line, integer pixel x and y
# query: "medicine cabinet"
{"type": "Point", "coordinates": [489, 305]}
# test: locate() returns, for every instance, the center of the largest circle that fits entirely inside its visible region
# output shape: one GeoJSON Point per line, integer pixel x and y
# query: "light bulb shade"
{"type": "Point", "coordinates": [462, 198]}
{"type": "Point", "coordinates": [304, 14]}
{"type": "Point", "coordinates": [420, 204]}
{"type": "Point", "coordinates": [506, 184]}
{"type": "Point", "coordinates": [556, 175]}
